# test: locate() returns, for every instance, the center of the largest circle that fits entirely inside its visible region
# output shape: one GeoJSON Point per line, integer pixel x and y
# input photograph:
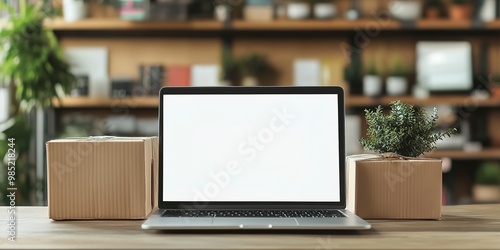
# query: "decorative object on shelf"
{"type": "Point", "coordinates": [170, 10]}
{"type": "Point", "coordinates": [397, 82]}
{"type": "Point", "coordinates": [74, 10]}
{"type": "Point", "coordinates": [121, 87]}
{"type": "Point", "coordinates": [103, 8]}
{"type": "Point", "coordinates": [178, 75]}
{"type": "Point", "coordinates": [460, 10]}
{"type": "Point", "coordinates": [205, 75]}
{"type": "Point", "coordinates": [298, 10]}
{"type": "Point", "coordinates": [444, 66]}
{"type": "Point", "coordinates": [134, 10]}
{"type": "Point", "coordinates": [487, 13]}
{"type": "Point", "coordinates": [307, 72]}
{"type": "Point", "coordinates": [372, 81]}
{"type": "Point", "coordinates": [495, 85]}
{"type": "Point", "coordinates": [324, 10]}
{"type": "Point", "coordinates": [258, 10]}
{"type": "Point", "coordinates": [151, 79]}
{"type": "Point", "coordinates": [487, 185]}
{"type": "Point", "coordinates": [252, 67]}
{"type": "Point", "coordinates": [433, 9]}
{"type": "Point", "coordinates": [93, 62]}
{"type": "Point", "coordinates": [352, 14]}
{"type": "Point", "coordinates": [221, 12]}
{"type": "Point", "coordinates": [82, 86]}
{"type": "Point", "coordinates": [33, 64]}
{"type": "Point", "coordinates": [405, 10]}
{"type": "Point", "coordinates": [390, 185]}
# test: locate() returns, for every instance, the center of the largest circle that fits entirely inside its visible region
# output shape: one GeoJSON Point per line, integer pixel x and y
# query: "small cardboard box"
{"type": "Point", "coordinates": [381, 188]}
{"type": "Point", "coordinates": [102, 177]}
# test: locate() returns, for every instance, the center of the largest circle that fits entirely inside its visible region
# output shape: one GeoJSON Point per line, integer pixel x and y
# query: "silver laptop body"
{"type": "Point", "coordinates": [252, 158]}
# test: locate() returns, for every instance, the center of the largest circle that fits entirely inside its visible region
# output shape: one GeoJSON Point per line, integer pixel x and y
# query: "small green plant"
{"type": "Point", "coordinates": [398, 68]}
{"type": "Point", "coordinates": [253, 65]}
{"type": "Point", "coordinates": [488, 174]}
{"type": "Point", "coordinates": [406, 130]}
{"type": "Point", "coordinates": [372, 70]}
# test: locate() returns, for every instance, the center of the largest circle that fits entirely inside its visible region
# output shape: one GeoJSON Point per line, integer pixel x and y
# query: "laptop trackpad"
{"type": "Point", "coordinates": [254, 223]}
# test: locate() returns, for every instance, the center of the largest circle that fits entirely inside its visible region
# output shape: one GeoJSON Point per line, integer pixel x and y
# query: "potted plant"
{"type": "Point", "coordinates": [353, 76]}
{"type": "Point", "coordinates": [495, 86]}
{"type": "Point", "coordinates": [252, 67]}
{"type": "Point", "coordinates": [397, 81]}
{"type": "Point", "coordinates": [33, 65]}
{"type": "Point", "coordinates": [460, 10]}
{"type": "Point", "coordinates": [74, 10]}
{"type": "Point", "coordinates": [372, 81]}
{"type": "Point", "coordinates": [487, 185]}
{"type": "Point", "coordinates": [396, 183]}
{"type": "Point", "coordinates": [433, 9]}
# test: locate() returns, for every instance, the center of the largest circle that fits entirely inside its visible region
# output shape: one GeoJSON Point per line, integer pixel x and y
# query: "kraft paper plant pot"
{"type": "Point", "coordinates": [381, 188]}
{"type": "Point", "coordinates": [486, 193]}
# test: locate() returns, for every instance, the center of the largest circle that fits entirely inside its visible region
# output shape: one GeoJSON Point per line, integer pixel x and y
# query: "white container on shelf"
{"type": "Point", "coordinates": [299, 10]}
{"type": "Point", "coordinates": [405, 10]}
{"type": "Point", "coordinates": [324, 10]}
{"type": "Point", "coordinates": [372, 85]}
{"type": "Point", "coordinates": [396, 85]}
{"type": "Point", "coordinates": [74, 10]}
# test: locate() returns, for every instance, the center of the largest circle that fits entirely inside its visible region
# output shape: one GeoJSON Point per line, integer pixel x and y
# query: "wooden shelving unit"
{"type": "Point", "coordinates": [441, 24]}
{"type": "Point", "coordinates": [109, 24]}
{"type": "Point", "coordinates": [92, 102]}
{"type": "Point", "coordinates": [312, 25]}
{"type": "Point", "coordinates": [351, 101]}
{"type": "Point", "coordinates": [484, 154]}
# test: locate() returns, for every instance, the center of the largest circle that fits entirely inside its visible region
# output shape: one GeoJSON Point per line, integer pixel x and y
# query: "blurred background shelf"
{"type": "Point", "coordinates": [111, 24]}
{"type": "Point", "coordinates": [484, 154]}
{"type": "Point", "coordinates": [94, 102]}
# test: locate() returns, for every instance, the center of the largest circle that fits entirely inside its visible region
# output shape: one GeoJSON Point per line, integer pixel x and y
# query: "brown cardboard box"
{"type": "Point", "coordinates": [380, 188]}
{"type": "Point", "coordinates": [102, 177]}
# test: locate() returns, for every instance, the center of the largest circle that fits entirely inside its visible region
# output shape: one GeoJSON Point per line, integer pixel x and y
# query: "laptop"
{"type": "Point", "coordinates": [252, 158]}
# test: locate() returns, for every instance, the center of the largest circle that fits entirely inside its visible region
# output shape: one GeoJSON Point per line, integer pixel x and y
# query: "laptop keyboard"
{"type": "Point", "coordinates": [255, 213]}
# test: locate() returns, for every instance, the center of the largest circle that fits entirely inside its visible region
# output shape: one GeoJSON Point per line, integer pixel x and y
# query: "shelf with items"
{"type": "Point", "coordinates": [483, 154]}
{"type": "Point", "coordinates": [115, 24]}
{"type": "Point", "coordinates": [95, 102]}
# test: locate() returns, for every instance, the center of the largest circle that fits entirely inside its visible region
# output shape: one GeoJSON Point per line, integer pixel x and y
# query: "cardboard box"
{"type": "Point", "coordinates": [258, 13]}
{"type": "Point", "coordinates": [381, 188]}
{"type": "Point", "coordinates": [102, 177]}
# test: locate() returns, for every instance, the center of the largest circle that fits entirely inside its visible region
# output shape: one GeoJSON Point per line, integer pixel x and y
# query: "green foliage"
{"type": "Point", "coordinates": [372, 70]}
{"type": "Point", "coordinates": [32, 58]}
{"type": "Point", "coordinates": [398, 69]}
{"type": "Point", "coordinates": [253, 65]}
{"type": "Point", "coordinates": [352, 72]}
{"type": "Point", "coordinates": [406, 130]}
{"type": "Point", "coordinates": [488, 174]}
{"type": "Point", "coordinates": [32, 63]}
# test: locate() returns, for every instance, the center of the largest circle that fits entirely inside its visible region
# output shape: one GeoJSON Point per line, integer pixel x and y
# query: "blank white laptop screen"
{"type": "Point", "coordinates": [264, 148]}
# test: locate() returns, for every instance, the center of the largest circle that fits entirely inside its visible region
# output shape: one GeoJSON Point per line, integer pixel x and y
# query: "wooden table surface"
{"type": "Point", "coordinates": [462, 227]}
